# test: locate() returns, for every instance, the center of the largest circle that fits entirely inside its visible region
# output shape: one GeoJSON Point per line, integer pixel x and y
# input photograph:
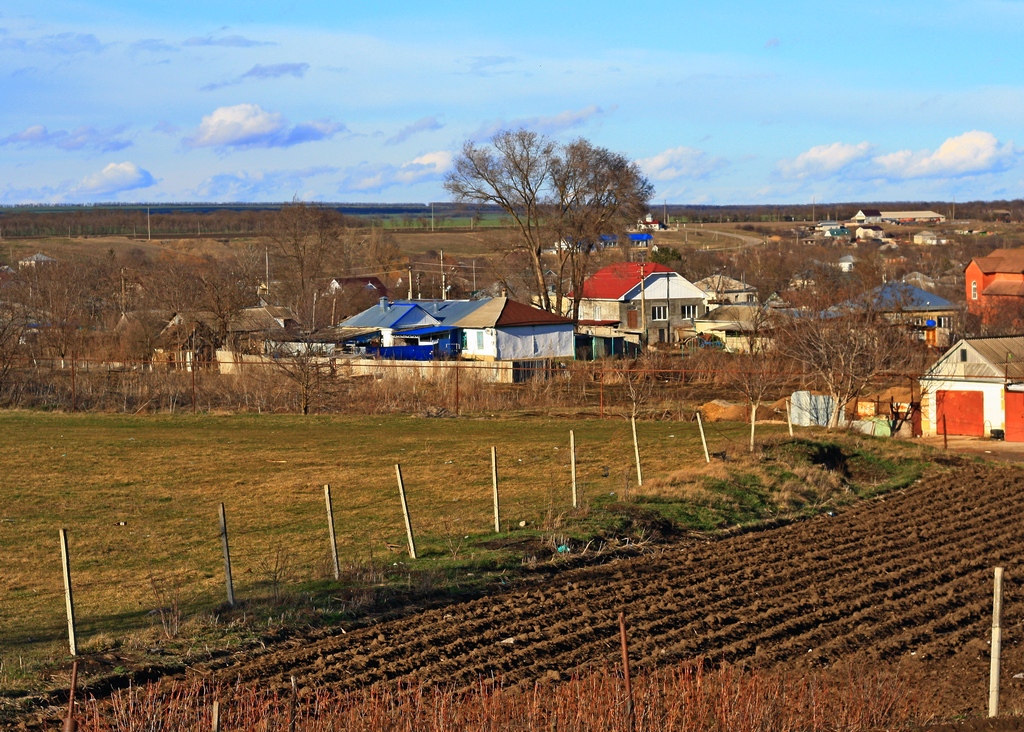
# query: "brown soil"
{"type": "Point", "coordinates": [903, 580]}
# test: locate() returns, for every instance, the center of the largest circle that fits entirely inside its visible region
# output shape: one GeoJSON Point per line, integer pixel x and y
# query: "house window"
{"type": "Point", "coordinates": [974, 289]}
{"type": "Point", "coordinates": [689, 311]}
{"type": "Point", "coordinates": [944, 321]}
{"type": "Point", "coordinates": [479, 340]}
{"type": "Point", "coordinates": [659, 312]}
{"type": "Point", "coordinates": [963, 355]}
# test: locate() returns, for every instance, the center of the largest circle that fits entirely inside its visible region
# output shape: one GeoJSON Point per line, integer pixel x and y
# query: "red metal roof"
{"type": "Point", "coordinates": [615, 280]}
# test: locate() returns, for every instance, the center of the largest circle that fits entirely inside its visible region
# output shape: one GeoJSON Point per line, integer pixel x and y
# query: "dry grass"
{"type": "Point", "coordinates": [683, 698]}
{"type": "Point", "coordinates": [139, 497]}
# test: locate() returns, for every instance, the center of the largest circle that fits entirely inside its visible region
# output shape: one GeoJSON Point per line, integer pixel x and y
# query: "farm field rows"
{"type": "Point", "coordinates": [902, 580]}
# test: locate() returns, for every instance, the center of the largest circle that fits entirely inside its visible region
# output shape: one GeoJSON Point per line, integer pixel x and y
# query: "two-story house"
{"type": "Point", "coordinates": [643, 301]}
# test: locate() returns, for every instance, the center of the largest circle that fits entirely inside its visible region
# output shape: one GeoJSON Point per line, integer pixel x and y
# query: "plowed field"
{"type": "Point", "coordinates": [904, 579]}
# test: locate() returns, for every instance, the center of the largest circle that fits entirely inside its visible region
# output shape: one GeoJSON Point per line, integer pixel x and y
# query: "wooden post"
{"type": "Point", "coordinates": [293, 710]}
{"type": "Point", "coordinates": [997, 641]}
{"type": "Point", "coordinates": [703, 439]}
{"type": "Point", "coordinates": [70, 725]}
{"type": "Point", "coordinates": [572, 465]}
{"type": "Point", "coordinates": [601, 389]}
{"type": "Point", "coordinates": [330, 527]}
{"type": "Point", "coordinates": [945, 434]}
{"type": "Point", "coordinates": [227, 556]}
{"type": "Point", "coordinates": [753, 424]}
{"type": "Point", "coordinates": [636, 451]}
{"type": "Point", "coordinates": [494, 484]}
{"type": "Point", "coordinates": [74, 392]}
{"type": "Point", "coordinates": [405, 513]}
{"type": "Point", "coordinates": [215, 717]}
{"type": "Point", "coordinates": [68, 599]}
{"type": "Point", "coordinates": [193, 383]}
{"type": "Point", "coordinates": [630, 715]}
{"type": "Point", "coordinates": [457, 395]}
{"type": "Point", "coordinates": [789, 417]}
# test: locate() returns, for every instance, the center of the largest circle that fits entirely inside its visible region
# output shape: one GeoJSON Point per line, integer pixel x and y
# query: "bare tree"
{"type": "Point", "coordinates": [513, 173]}
{"type": "Point", "coordinates": [305, 237]}
{"type": "Point", "coordinates": [595, 192]}
{"type": "Point", "coordinates": [561, 195]}
{"type": "Point", "coordinates": [845, 348]}
{"type": "Point", "coordinates": [760, 371]}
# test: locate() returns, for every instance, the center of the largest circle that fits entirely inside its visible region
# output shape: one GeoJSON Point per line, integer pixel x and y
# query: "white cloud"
{"type": "Point", "coordinates": [234, 41]}
{"type": "Point", "coordinates": [77, 139]}
{"type": "Point", "coordinates": [824, 160]}
{"type": "Point", "coordinates": [248, 125]}
{"type": "Point", "coordinates": [680, 162]}
{"type": "Point", "coordinates": [113, 179]}
{"type": "Point", "coordinates": [247, 186]}
{"type": "Point", "coordinates": [545, 125]}
{"type": "Point", "coordinates": [369, 178]}
{"type": "Point", "coordinates": [972, 153]}
{"type": "Point", "coordinates": [424, 124]}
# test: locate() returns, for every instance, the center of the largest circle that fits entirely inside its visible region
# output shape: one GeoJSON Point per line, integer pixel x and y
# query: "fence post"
{"type": "Point", "coordinates": [70, 725]}
{"type": "Point", "coordinates": [227, 556]}
{"type": "Point", "coordinates": [703, 439]}
{"type": "Point", "coordinates": [494, 484]}
{"type": "Point", "coordinates": [215, 717]}
{"type": "Point", "coordinates": [68, 600]}
{"type": "Point", "coordinates": [330, 526]}
{"type": "Point", "coordinates": [405, 512]}
{"type": "Point", "coordinates": [753, 424]}
{"type": "Point", "coordinates": [945, 434]}
{"type": "Point", "coordinates": [572, 464]}
{"type": "Point", "coordinates": [997, 641]}
{"type": "Point", "coordinates": [74, 393]}
{"type": "Point", "coordinates": [789, 417]}
{"type": "Point", "coordinates": [601, 388]}
{"type": "Point", "coordinates": [630, 714]}
{"type": "Point", "coordinates": [193, 383]}
{"type": "Point", "coordinates": [457, 395]}
{"type": "Point", "coordinates": [636, 451]}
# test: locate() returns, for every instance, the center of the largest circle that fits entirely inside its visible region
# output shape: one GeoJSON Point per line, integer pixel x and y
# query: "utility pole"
{"type": "Point", "coordinates": [149, 228]}
{"type": "Point", "coordinates": [431, 216]}
{"type": "Point", "coordinates": [643, 305]}
{"type": "Point", "coordinates": [410, 282]}
{"type": "Point", "coordinates": [266, 257]}
{"type": "Point", "coordinates": [444, 290]}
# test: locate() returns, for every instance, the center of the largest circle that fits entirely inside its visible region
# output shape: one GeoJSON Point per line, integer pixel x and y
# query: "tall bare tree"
{"type": "Point", "coordinates": [564, 196]}
{"type": "Point", "coordinates": [514, 172]}
{"type": "Point", "coordinates": [304, 237]}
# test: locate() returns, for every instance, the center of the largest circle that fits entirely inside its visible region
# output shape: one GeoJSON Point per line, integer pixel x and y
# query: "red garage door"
{"type": "Point", "coordinates": [1014, 416]}
{"type": "Point", "coordinates": [960, 413]}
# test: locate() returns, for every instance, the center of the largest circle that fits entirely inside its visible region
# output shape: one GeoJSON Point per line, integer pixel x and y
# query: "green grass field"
{"type": "Point", "coordinates": [139, 497]}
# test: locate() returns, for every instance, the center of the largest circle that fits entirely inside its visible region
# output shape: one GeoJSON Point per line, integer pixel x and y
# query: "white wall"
{"type": "Point", "coordinates": [490, 344]}
{"type": "Point", "coordinates": [535, 341]}
{"type": "Point", "coordinates": [994, 403]}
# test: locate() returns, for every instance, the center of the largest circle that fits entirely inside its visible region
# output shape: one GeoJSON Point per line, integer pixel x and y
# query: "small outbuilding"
{"type": "Point", "coordinates": [976, 389]}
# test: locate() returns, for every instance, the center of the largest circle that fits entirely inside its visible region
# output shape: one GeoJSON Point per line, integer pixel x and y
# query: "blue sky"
{"type": "Point", "coordinates": [727, 102]}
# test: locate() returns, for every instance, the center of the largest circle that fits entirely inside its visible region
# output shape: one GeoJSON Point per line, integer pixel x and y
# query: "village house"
{"type": "Point", "coordinates": [36, 260]}
{"type": "Point", "coordinates": [925, 315]}
{"type": "Point", "coordinates": [868, 216]}
{"type": "Point", "coordinates": [929, 238]}
{"type": "Point", "coordinates": [489, 329]}
{"type": "Point", "coordinates": [738, 326]}
{"type": "Point", "coordinates": [976, 389]}
{"type": "Point", "coordinates": [720, 289]}
{"type": "Point", "coordinates": [870, 232]}
{"type": "Point", "coordinates": [995, 283]}
{"type": "Point", "coordinates": [644, 302]}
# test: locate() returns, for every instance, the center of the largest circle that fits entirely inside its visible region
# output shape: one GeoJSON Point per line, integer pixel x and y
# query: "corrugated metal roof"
{"type": "Point", "coordinates": [500, 312]}
{"type": "Point", "coordinates": [1005, 354]}
{"type": "Point", "coordinates": [616, 280]}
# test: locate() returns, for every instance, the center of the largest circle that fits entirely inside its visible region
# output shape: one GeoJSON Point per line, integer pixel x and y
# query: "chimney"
{"type": "Point", "coordinates": [383, 302]}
